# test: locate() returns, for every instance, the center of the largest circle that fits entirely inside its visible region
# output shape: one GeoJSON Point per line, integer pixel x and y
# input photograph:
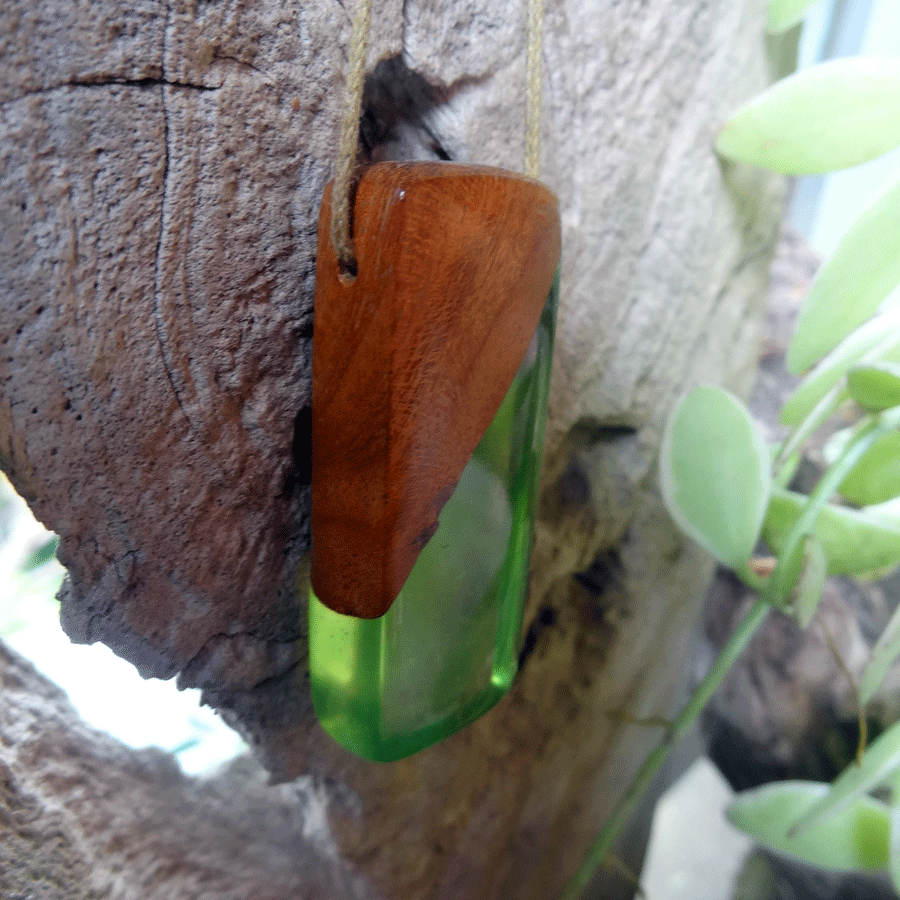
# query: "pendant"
{"type": "Point", "coordinates": [430, 378]}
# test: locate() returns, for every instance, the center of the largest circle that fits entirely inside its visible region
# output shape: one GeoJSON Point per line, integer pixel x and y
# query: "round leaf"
{"type": "Point", "coordinates": [784, 14]}
{"type": "Point", "coordinates": [875, 387]}
{"type": "Point", "coordinates": [831, 116]}
{"type": "Point", "coordinates": [850, 287]}
{"type": "Point", "coordinates": [880, 761]}
{"type": "Point", "coordinates": [876, 477]}
{"type": "Point", "coordinates": [875, 341]}
{"type": "Point", "coordinates": [855, 838]}
{"type": "Point", "coordinates": [856, 542]}
{"type": "Point", "coordinates": [714, 473]}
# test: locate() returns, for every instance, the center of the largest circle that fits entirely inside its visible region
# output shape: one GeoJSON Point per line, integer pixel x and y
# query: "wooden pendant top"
{"type": "Point", "coordinates": [412, 359]}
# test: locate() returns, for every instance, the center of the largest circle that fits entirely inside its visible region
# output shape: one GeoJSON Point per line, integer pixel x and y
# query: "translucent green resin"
{"type": "Point", "coordinates": [447, 649]}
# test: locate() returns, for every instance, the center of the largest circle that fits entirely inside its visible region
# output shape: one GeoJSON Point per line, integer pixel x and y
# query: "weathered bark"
{"type": "Point", "coordinates": [160, 172]}
{"type": "Point", "coordinates": [82, 816]}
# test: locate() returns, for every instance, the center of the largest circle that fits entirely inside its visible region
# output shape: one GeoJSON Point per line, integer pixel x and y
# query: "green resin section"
{"type": "Point", "coordinates": [447, 650]}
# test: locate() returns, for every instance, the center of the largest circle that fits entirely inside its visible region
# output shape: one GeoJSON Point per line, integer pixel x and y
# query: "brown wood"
{"type": "Point", "coordinates": [171, 194]}
{"type": "Point", "coordinates": [412, 359]}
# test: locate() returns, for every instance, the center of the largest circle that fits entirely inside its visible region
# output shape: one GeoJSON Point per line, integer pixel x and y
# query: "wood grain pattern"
{"type": "Point", "coordinates": [412, 359]}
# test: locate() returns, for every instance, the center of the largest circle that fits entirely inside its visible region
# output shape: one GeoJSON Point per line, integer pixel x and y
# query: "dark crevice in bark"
{"type": "Point", "coordinates": [605, 571]}
{"type": "Point", "coordinates": [139, 83]}
{"type": "Point", "coordinates": [546, 618]}
{"type": "Point", "coordinates": [301, 452]}
{"type": "Point", "coordinates": [397, 121]}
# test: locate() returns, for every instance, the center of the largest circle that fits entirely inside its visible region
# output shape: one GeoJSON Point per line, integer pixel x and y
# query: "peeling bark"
{"type": "Point", "coordinates": [160, 172]}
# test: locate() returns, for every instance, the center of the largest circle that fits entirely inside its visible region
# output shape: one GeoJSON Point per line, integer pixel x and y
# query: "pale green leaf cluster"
{"type": "Point", "coordinates": [729, 492]}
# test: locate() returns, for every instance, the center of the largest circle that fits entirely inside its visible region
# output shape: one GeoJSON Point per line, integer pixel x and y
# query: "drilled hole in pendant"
{"type": "Point", "coordinates": [397, 123]}
{"type": "Point", "coordinates": [348, 270]}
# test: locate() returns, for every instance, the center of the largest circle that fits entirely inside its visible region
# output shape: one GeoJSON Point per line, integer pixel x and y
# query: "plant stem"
{"type": "Point", "coordinates": [867, 432]}
{"type": "Point", "coordinates": [680, 727]}
{"type": "Point", "coordinates": [817, 416]}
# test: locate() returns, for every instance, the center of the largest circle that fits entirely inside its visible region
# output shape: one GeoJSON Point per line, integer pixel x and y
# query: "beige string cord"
{"type": "Point", "coordinates": [343, 175]}
{"type": "Point", "coordinates": [533, 88]}
{"type": "Point", "coordinates": [349, 142]}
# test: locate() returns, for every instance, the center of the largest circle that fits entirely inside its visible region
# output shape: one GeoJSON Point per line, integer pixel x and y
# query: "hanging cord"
{"type": "Point", "coordinates": [533, 88]}
{"type": "Point", "coordinates": [343, 176]}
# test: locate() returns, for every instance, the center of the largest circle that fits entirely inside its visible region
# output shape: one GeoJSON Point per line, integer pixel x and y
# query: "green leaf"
{"type": "Point", "coordinates": [894, 846]}
{"type": "Point", "coordinates": [714, 473]}
{"type": "Point", "coordinates": [856, 838]}
{"type": "Point", "coordinates": [850, 287]}
{"type": "Point", "coordinates": [880, 761]}
{"type": "Point", "coordinates": [784, 14]}
{"type": "Point", "coordinates": [875, 387]}
{"type": "Point", "coordinates": [887, 512]}
{"type": "Point", "coordinates": [876, 477]}
{"type": "Point", "coordinates": [875, 341]}
{"type": "Point", "coordinates": [856, 542]}
{"type": "Point", "coordinates": [891, 788]}
{"type": "Point", "coordinates": [45, 552]}
{"type": "Point", "coordinates": [812, 581]}
{"type": "Point", "coordinates": [884, 654]}
{"type": "Point", "coordinates": [831, 116]}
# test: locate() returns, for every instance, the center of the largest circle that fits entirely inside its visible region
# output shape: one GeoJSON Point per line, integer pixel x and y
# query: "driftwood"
{"type": "Point", "coordinates": [161, 166]}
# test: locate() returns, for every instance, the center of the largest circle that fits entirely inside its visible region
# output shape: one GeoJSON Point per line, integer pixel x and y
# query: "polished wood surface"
{"type": "Point", "coordinates": [412, 358]}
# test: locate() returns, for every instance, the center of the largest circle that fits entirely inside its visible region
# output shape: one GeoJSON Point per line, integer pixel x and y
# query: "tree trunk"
{"type": "Point", "coordinates": [161, 165]}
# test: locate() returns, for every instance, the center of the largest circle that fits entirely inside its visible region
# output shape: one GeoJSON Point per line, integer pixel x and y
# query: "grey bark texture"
{"type": "Point", "coordinates": [161, 165]}
{"type": "Point", "coordinates": [82, 816]}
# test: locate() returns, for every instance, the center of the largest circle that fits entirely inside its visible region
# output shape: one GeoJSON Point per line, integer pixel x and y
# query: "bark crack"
{"type": "Point", "coordinates": [157, 262]}
{"type": "Point", "coordinates": [240, 63]}
{"type": "Point", "coordinates": [164, 87]}
{"type": "Point", "coordinates": [139, 82]}
{"type": "Point", "coordinates": [191, 672]}
{"type": "Point", "coordinates": [102, 82]}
